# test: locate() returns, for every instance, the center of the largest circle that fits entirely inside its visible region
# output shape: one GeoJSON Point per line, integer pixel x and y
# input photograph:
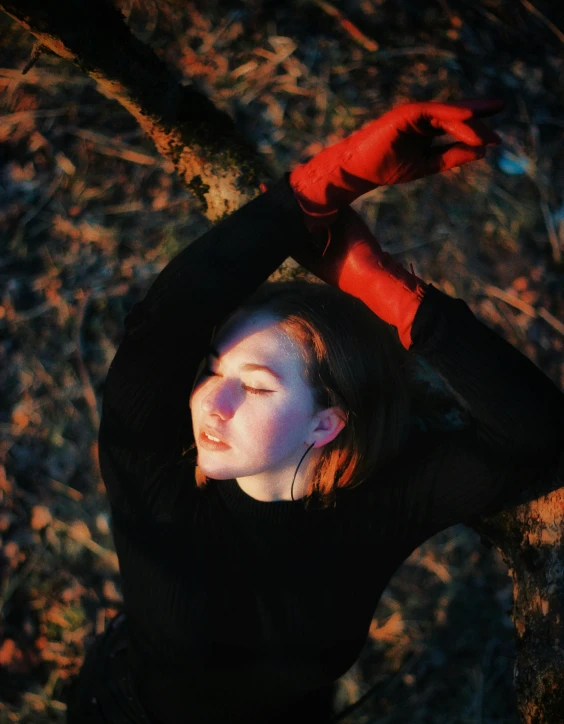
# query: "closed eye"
{"type": "Point", "coordinates": [256, 391]}
{"type": "Point", "coordinates": [252, 390]}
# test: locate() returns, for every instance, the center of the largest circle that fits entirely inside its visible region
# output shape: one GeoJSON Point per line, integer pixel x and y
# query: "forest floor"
{"type": "Point", "coordinates": [90, 213]}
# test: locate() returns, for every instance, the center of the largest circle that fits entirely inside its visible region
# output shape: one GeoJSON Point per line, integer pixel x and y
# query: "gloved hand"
{"type": "Point", "coordinates": [396, 148]}
{"type": "Point", "coordinates": [355, 263]}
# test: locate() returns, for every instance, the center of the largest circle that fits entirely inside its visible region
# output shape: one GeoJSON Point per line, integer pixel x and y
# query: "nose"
{"type": "Point", "coordinates": [220, 400]}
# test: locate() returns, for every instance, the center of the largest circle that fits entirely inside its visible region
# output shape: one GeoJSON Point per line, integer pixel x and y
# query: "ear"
{"type": "Point", "coordinates": [328, 424]}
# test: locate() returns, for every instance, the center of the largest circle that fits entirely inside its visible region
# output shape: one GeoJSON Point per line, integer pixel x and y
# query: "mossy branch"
{"type": "Point", "coordinates": [213, 160]}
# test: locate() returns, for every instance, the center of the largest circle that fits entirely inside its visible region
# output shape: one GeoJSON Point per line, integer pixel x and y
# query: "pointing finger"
{"type": "Point", "coordinates": [481, 107]}
{"type": "Point", "coordinates": [472, 132]}
{"type": "Point", "coordinates": [458, 111]}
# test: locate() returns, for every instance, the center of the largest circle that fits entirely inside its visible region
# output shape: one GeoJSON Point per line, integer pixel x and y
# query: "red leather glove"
{"type": "Point", "coordinates": [396, 148]}
{"type": "Point", "coordinates": [355, 263]}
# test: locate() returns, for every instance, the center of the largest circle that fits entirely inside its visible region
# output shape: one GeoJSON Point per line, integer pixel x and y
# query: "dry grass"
{"type": "Point", "coordinates": [90, 214]}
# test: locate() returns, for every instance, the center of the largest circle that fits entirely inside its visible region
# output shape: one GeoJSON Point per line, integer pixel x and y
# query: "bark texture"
{"type": "Point", "coordinates": [218, 166]}
{"type": "Point", "coordinates": [212, 159]}
{"type": "Point", "coordinates": [530, 538]}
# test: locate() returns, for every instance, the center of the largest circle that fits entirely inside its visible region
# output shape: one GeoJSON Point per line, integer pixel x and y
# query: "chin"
{"type": "Point", "coordinates": [217, 472]}
{"type": "Point", "coordinates": [211, 472]}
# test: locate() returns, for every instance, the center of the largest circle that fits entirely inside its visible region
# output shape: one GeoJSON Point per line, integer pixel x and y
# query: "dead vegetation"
{"type": "Point", "coordinates": [90, 213]}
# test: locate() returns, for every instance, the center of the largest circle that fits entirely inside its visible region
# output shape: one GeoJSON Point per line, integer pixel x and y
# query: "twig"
{"type": "Point", "coordinates": [211, 40]}
{"type": "Point", "coordinates": [493, 291]}
{"type": "Point", "coordinates": [357, 35]}
{"type": "Point", "coordinates": [107, 555]}
{"type": "Point", "coordinates": [552, 235]}
{"type": "Point", "coordinates": [43, 78]}
{"type": "Point", "coordinates": [393, 250]}
{"type": "Point", "coordinates": [392, 684]}
{"type": "Point", "coordinates": [72, 493]}
{"type": "Point", "coordinates": [88, 391]}
{"type": "Point", "coordinates": [551, 319]}
{"type": "Point", "coordinates": [50, 192]}
{"type": "Point", "coordinates": [418, 50]}
{"type": "Point", "coordinates": [35, 312]}
{"type": "Point", "coordinates": [23, 115]}
{"type": "Point", "coordinates": [36, 51]}
{"type": "Point", "coordinates": [108, 147]}
{"type": "Point", "coordinates": [540, 183]}
{"type": "Point", "coordinates": [524, 307]}
{"type": "Point", "coordinates": [550, 25]}
{"type": "Point", "coordinates": [101, 292]}
{"type": "Point", "coordinates": [49, 687]}
{"type": "Point", "coordinates": [538, 179]}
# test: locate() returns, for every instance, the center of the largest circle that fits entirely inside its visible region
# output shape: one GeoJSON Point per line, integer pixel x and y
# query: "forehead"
{"type": "Point", "coordinates": [257, 335]}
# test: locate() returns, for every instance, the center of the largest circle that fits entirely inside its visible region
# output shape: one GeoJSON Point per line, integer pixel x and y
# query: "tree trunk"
{"type": "Point", "coordinates": [531, 541]}
{"type": "Point", "coordinates": [213, 160]}
{"type": "Point", "coordinates": [217, 165]}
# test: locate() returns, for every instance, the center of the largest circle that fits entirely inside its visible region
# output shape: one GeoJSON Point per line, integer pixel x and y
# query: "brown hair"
{"type": "Point", "coordinates": [353, 360]}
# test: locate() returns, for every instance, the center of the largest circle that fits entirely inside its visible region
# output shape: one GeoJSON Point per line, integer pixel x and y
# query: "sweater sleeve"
{"type": "Point", "coordinates": [146, 421]}
{"type": "Point", "coordinates": [516, 433]}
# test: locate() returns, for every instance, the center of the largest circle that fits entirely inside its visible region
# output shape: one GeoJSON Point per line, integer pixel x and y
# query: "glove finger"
{"type": "Point", "coordinates": [451, 155]}
{"type": "Point", "coordinates": [459, 111]}
{"type": "Point", "coordinates": [472, 132]}
{"type": "Point", "coordinates": [481, 108]}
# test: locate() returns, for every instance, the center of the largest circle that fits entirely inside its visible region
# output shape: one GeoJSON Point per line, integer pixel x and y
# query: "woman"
{"type": "Point", "coordinates": [262, 500]}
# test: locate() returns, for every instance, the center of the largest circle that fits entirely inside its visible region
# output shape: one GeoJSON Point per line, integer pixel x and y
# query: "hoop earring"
{"type": "Point", "coordinates": [294, 480]}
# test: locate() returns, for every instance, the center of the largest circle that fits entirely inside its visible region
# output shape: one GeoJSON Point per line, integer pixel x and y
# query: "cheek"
{"type": "Point", "coordinates": [280, 426]}
{"type": "Point", "coordinates": [194, 396]}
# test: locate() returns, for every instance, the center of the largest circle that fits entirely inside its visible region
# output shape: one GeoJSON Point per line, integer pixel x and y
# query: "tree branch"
{"type": "Point", "coordinates": [209, 155]}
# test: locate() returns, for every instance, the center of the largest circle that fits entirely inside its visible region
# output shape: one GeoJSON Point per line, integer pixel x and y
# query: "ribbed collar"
{"type": "Point", "coordinates": [278, 512]}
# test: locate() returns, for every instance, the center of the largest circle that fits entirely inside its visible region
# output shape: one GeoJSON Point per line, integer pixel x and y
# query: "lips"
{"type": "Point", "coordinates": [211, 444]}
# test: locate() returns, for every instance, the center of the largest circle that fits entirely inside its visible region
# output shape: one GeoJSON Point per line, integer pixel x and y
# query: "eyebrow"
{"type": "Point", "coordinates": [249, 366]}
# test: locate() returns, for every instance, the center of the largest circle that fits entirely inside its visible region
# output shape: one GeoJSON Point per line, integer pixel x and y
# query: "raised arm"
{"type": "Point", "coordinates": [517, 409]}
{"type": "Point", "coordinates": [517, 412]}
{"type": "Point", "coordinates": [146, 422]}
{"type": "Point", "coordinates": [517, 432]}
{"type": "Point", "coordinates": [515, 406]}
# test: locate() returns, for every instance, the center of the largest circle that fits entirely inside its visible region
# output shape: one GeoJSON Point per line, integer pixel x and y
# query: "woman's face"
{"type": "Point", "coordinates": [255, 402]}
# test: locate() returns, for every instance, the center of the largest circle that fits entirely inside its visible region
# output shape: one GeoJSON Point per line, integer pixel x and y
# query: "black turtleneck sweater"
{"type": "Point", "coordinates": [238, 608]}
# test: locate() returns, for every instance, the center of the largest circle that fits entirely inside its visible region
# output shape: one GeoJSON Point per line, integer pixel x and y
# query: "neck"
{"type": "Point", "coordinates": [272, 485]}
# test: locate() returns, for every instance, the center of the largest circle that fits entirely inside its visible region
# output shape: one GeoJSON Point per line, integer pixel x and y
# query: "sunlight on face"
{"type": "Point", "coordinates": [253, 400]}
